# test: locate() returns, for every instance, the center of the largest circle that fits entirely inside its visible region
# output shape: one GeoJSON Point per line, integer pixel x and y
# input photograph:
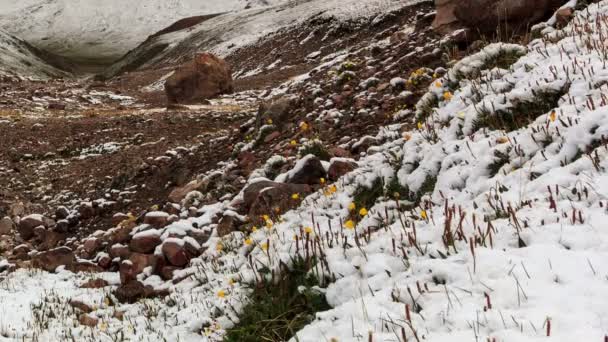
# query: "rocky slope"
{"type": "Point", "coordinates": [405, 186]}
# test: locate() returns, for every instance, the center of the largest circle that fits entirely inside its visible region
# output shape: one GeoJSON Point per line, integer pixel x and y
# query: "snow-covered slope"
{"type": "Point", "coordinates": [92, 29]}
{"type": "Point", "coordinates": [225, 34]}
{"type": "Point", "coordinates": [17, 57]}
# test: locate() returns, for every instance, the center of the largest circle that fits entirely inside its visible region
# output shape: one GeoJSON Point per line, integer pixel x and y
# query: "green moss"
{"type": "Point", "coordinates": [277, 311]}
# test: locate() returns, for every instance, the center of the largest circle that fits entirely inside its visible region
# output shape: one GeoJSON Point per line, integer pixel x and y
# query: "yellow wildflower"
{"type": "Point", "coordinates": [553, 116]}
{"type": "Point", "coordinates": [295, 197]}
{"type": "Point", "coordinates": [502, 140]}
{"type": "Point", "coordinates": [352, 206]}
{"type": "Point", "coordinates": [293, 143]}
{"type": "Point", "coordinates": [248, 242]}
{"type": "Point", "coordinates": [219, 247]}
{"type": "Point", "coordinates": [265, 246]}
{"type": "Point", "coordinates": [423, 214]}
{"type": "Point", "coordinates": [349, 224]}
{"type": "Point", "coordinates": [304, 126]}
{"type": "Point", "coordinates": [308, 230]}
{"type": "Point", "coordinates": [438, 84]}
{"type": "Point", "coordinates": [322, 180]}
{"type": "Point", "coordinates": [254, 229]}
{"type": "Point", "coordinates": [419, 125]}
{"type": "Point", "coordinates": [221, 293]}
{"type": "Point", "coordinates": [363, 212]}
{"type": "Point", "coordinates": [447, 96]}
{"type": "Point", "coordinates": [269, 121]}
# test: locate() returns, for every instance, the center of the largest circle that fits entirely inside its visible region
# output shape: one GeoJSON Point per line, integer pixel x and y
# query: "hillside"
{"type": "Point", "coordinates": [18, 57]}
{"type": "Point", "coordinates": [57, 25]}
{"type": "Point", "coordinates": [373, 177]}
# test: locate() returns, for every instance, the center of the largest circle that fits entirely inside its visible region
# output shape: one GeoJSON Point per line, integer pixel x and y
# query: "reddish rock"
{"type": "Point", "coordinates": [91, 245]}
{"type": "Point", "coordinates": [77, 304]}
{"type": "Point", "coordinates": [95, 284]}
{"type": "Point", "coordinates": [167, 272]}
{"type": "Point", "coordinates": [228, 224]}
{"type": "Point", "coordinates": [119, 251]}
{"type": "Point", "coordinates": [118, 218]}
{"type": "Point", "coordinates": [485, 15]}
{"type": "Point", "coordinates": [307, 170]}
{"type": "Point", "coordinates": [339, 167]}
{"type": "Point", "coordinates": [178, 194]}
{"type": "Point", "coordinates": [133, 291]}
{"type": "Point", "coordinates": [50, 260]}
{"type": "Point", "coordinates": [127, 272]}
{"type": "Point", "coordinates": [56, 106]}
{"type": "Point", "coordinates": [272, 136]}
{"type": "Point", "coordinates": [262, 197]}
{"type": "Point", "coordinates": [129, 269]}
{"type": "Point", "coordinates": [88, 320]}
{"type": "Point", "coordinates": [142, 261]}
{"type": "Point", "coordinates": [205, 77]}
{"type": "Point", "coordinates": [563, 16]}
{"type": "Point", "coordinates": [175, 252]}
{"type": "Point", "coordinates": [104, 261]}
{"type": "Point", "coordinates": [145, 242]}
{"type": "Point", "coordinates": [157, 219]}
{"type": "Point", "coordinates": [27, 224]}
{"type": "Point", "coordinates": [85, 266]}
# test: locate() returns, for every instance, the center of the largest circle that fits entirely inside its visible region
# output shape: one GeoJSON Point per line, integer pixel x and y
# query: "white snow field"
{"type": "Point", "coordinates": [103, 29]}
{"type": "Point", "coordinates": [508, 243]}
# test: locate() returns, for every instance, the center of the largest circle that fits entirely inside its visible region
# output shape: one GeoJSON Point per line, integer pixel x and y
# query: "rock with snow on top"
{"type": "Point", "coordinates": [145, 242]}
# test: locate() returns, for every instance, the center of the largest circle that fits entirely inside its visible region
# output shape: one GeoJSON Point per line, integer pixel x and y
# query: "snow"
{"type": "Point", "coordinates": [18, 58]}
{"type": "Point", "coordinates": [224, 34]}
{"type": "Point", "coordinates": [512, 254]}
{"type": "Point", "coordinates": [113, 27]}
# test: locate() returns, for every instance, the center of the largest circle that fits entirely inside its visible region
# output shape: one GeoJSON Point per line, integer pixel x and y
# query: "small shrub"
{"type": "Point", "coordinates": [277, 311]}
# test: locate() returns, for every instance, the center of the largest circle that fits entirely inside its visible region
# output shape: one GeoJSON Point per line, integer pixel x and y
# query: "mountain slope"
{"type": "Point", "coordinates": [227, 33]}
{"type": "Point", "coordinates": [112, 27]}
{"type": "Point", "coordinates": [17, 57]}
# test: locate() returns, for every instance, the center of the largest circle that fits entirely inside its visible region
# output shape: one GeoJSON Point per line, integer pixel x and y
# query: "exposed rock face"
{"type": "Point", "coordinates": [205, 77]}
{"type": "Point", "coordinates": [484, 16]}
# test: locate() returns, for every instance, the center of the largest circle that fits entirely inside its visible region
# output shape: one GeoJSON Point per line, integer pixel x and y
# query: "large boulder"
{"type": "Point", "coordinates": [485, 16]}
{"type": "Point", "coordinates": [205, 77]}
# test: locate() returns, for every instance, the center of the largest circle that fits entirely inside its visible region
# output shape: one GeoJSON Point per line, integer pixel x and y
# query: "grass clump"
{"type": "Point", "coordinates": [522, 114]}
{"type": "Point", "coordinates": [279, 309]}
